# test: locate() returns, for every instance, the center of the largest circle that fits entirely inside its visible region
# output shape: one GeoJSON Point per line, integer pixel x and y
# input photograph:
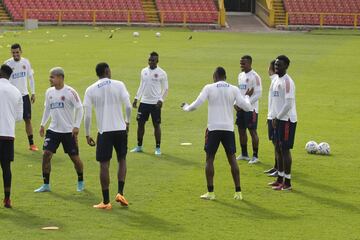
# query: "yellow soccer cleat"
{"type": "Point", "coordinates": [238, 196]}
{"type": "Point", "coordinates": [103, 206]}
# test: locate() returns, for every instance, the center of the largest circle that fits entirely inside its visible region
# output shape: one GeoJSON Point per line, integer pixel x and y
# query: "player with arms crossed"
{"type": "Point", "coordinates": [11, 108]}
{"type": "Point", "coordinates": [108, 96]}
{"type": "Point", "coordinates": [22, 72]}
{"type": "Point", "coordinates": [63, 105]}
{"type": "Point", "coordinates": [248, 79]}
{"type": "Point", "coordinates": [221, 97]}
{"type": "Point", "coordinates": [152, 91]}
{"type": "Point", "coordinates": [284, 119]}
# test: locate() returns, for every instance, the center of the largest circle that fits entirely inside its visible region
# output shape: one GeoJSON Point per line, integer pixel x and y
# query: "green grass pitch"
{"type": "Point", "coordinates": [164, 191]}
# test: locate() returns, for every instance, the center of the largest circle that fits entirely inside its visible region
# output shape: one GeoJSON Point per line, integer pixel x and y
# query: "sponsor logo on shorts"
{"type": "Point", "coordinates": [46, 142]}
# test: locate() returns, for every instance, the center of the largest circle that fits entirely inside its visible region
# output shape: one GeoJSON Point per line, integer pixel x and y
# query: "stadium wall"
{"type": "Point", "coordinates": [264, 10]}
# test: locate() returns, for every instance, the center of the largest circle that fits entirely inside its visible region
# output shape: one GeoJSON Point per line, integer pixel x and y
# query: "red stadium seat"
{"type": "Point", "coordinates": [339, 13]}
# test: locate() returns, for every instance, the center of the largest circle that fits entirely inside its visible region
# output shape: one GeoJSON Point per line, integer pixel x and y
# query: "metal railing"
{"type": "Point", "coordinates": [322, 15]}
{"type": "Point", "coordinates": [129, 13]}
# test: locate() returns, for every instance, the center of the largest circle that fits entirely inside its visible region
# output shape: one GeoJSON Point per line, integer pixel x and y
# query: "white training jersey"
{"type": "Point", "coordinates": [61, 105]}
{"type": "Point", "coordinates": [11, 108]}
{"type": "Point", "coordinates": [22, 71]}
{"type": "Point", "coordinates": [221, 97]}
{"type": "Point", "coordinates": [108, 97]}
{"type": "Point", "coordinates": [248, 81]}
{"type": "Point", "coordinates": [153, 85]}
{"type": "Point", "coordinates": [272, 78]}
{"type": "Point", "coordinates": [283, 93]}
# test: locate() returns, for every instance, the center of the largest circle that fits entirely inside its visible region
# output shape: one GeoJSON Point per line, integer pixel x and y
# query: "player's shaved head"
{"type": "Point", "coordinates": [57, 71]}
{"type": "Point", "coordinates": [247, 57]}
{"type": "Point", "coordinates": [285, 59]}
{"type": "Point", "coordinates": [154, 54]}
{"type": "Point", "coordinates": [5, 71]}
{"type": "Point", "coordinates": [102, 69]}
{"type": "Point", "coordinates": [219, 74]}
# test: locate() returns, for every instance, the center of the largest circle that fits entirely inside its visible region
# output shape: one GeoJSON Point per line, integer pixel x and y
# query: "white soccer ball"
{"type": "Point", "coordinates": [311, 147]}
{"type": "Point", "coordinates": [157, 34]}
{"type": "Point", "coordinates": [324, 148]}
{"type": "Point", "coordinates": [136, 34]}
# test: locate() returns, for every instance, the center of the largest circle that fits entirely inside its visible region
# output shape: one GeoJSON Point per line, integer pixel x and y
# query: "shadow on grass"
{"type": "Point", "coordinates": [27, 220]}
{"type": "Point", "coordinates": [143, 220]}
{"type": "Point", "coordinates": [85, 197]}
{"type": "Point", "coordinates": [317, 185]}
{"type": "Point", "coordinates": [255, 211]}
{"type": "Point", "coordinates": [176, 160]}
{"type": "Point", "coordinates": [330, 202]}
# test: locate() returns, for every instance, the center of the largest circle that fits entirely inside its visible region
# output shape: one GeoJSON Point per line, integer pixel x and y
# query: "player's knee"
{"type": "Point", "coordinates": [47, 155]}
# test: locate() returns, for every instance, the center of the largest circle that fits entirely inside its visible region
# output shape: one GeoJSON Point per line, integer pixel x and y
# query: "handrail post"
{"type": "Point", "coordinates": [60, 13]}
{"type": "Point", "coordinates": [184, 18]}
{"type": "Point", "coordinates": [161, 18]}
{"type": "Point", "coordinates": [321, 20]}
{"type": "Point", "coordinates": [94, 17]}
{"type": "Point", "coordinates": [286, 19]}
{"type": "Point", "coordinates": [355, 20]}
{"type": "Point", "coordinates": [129, 17]}
{"type": "Point", "coordinates": [25, 14]}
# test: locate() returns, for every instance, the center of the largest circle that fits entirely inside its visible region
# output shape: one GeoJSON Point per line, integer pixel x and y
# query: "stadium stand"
{"type": "Point", "coordinates": [173, 11]}
{"type": "Point", "coordinates": [74, 10]}
{"type": "Point", "coordinates": [335, 12]}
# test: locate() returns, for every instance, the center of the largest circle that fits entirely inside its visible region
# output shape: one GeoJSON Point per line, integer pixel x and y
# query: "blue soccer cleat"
{"type": "Point", "coordinates": [43, 188]}
{"type": "Point", "coordinates": [137, 149]}
{"type": "Point", "coordinates": [80, 186]}
{"type": "Point", "coordinates": [157, 151]}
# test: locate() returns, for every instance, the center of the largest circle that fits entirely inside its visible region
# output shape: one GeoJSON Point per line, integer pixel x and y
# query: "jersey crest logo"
{"type": "Point", "coordinates": [62, 98]}
{"type": "Point", "coordinates": [247, 80]}
{"type": "Point", "coordinates": [156, 75]}
{"type": "Point", "coordinates": [24, 67]}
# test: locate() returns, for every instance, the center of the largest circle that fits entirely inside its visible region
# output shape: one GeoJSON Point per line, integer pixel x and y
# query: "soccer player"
{"type": "Point", "coordinates": [11, 108]}
{"type": "Point", "coordinates": [108, 96]}
{"type": "Point", "coordinates": [284, 119]}
{"type": "Point", "coordinates": [22, 72]}
{"type": "Point", "coordinates": [63, 105]}
{"type": "Point", "coordinates": [272, 172]}
{"type": "Point", "coordinates": [220, 128]}
{"type": "Point", "coordinates": [152, 91]}
{"type": "Point", "coordinates": [248, 79]}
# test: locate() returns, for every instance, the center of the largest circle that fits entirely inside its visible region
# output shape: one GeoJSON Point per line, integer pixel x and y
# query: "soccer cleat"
{"type": "Point", "coordinates": [278, 187]}
{"type": "Point", "coordinates": [103, 206]}
{"type": "Point", "coordinates": [157, 151]}
{"type": "Point", "coordinates": [241, 157]}
{"type": "Point", "coordinates": [274, 174]}
{"type": "Point", "coordinates": [43, 188]}
{"type": "Point", "coordinates": [254, 160]}
{"type": "Point", "coordinates": [137, 149]}
{"type": "Point", "coordinates": [274, 184]}
{"type": "Point", "coordinates": [238, 196]}
{"type": "Point", "coordinates": [33, 147]}
{"type": "Point", "coordinates": [286, 187]}
{"type": "Point", "coordinates": [208, 196]}
{"type": "Point", "coordinates": [271, 170]}
{"type": "Point", "coordinates": [80, 186]}
{"type": "Point", "coordinates": [120, 199]}
{"type": "Point", "coordinates": [7, 203]}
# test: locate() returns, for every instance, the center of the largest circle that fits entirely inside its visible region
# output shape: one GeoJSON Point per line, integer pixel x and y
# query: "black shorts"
{"type": "Point", "coordinates": [53, 140]}
{"type": "Point", "coordinates": [107, 141]}
{"type": "Point", "coordinates": [145, 110]}
{"type": "Point", "coordinates": [271, 130]}
{"type": "Point", "coordinates": [246, 119]}
{"type": "Point", "coordinates": [285, 134]}
{"type": "Point", "coordinates": [26, 107]}
{"type": "Point", "coordinates": [213, 139]}
{"type": "Point", "coordinates": [6, 150]}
